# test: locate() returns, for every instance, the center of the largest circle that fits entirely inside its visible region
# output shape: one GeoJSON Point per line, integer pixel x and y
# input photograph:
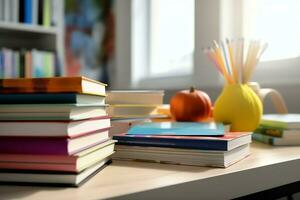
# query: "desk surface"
{"type": "Point", "coordinates": [265, 168]}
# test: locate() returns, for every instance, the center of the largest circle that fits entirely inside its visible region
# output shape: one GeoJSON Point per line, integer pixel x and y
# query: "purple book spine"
{"type": "Point", "coordinates": [27, 145]}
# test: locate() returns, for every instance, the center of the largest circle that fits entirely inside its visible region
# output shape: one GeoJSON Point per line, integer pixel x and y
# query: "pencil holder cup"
{"type": "Point", "coordinates": [239, 106]}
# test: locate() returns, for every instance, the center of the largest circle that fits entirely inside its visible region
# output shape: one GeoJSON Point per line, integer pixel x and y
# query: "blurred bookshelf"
{"type": "Point", "coordinates": [31, 38]}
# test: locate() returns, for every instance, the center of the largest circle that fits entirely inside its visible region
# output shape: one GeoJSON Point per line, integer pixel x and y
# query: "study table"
{"type": "Point", "coordinates": [267, 167]}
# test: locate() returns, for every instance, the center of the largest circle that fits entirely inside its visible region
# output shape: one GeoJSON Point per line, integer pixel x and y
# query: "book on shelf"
{"type": "Point", "coordinates": [55, 178]}
{"type": "Point", "coordinates": [32, 12]}
{"type": "Point", "coordinates": [144, 97]}
{"type": "Point", "coordinates": [178, 128]}
{"type": "Point", "coordinates": [52, 145]}
{"type": "Point", "coordinates": [80, 85]}
{"type": "Point", "coordinates": [285, 121]}
{"type": "Point", "coordinates": [52, 98]}
{"type": "Point", "coordinates": [56, 162]}
{"type": "Point", "coordinates": [223, 143]}
{"type": "Point", "coordinates": [27, 63]}
{"type": "Point", "coordinates": [277, 141]}
{"type": "Point", "coordinates": [70, 128]}
{"type": "Point", "coordinates": [193, 157]}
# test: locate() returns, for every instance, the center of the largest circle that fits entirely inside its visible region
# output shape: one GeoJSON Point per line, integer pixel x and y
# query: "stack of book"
{"type": "Point", "coordinates": [199, 144]}
{"type": "Point", "coordinates": [279, 130]}
{"type": "Point", "coordinates": [27, 63]}
{"type": "Point", "coordinates": [53, 130]}
{"type": "Point", "coordinates": [131, 107]}
{"type": "Point", "coordinates": [35, 12]}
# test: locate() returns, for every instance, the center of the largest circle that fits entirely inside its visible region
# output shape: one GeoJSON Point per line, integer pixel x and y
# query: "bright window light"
{"type": "Point", "coordinates": [276, 22]}
{"type": "Point", "coordinates": [171, 37]}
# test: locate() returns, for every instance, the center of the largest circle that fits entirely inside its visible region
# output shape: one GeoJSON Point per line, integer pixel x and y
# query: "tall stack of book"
{"type": "Point", "coordinates": [199, 144]}
{"type": "Point", "coordinates": [53, 130]}
{"type": "Point", "coordinates": [131, 107]}
{"type": "Point", "coordinates": [279, 130]}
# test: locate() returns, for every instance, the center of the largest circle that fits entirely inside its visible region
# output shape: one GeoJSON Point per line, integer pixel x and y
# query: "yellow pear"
{"type": "Point", "coordinates": [239, 106]}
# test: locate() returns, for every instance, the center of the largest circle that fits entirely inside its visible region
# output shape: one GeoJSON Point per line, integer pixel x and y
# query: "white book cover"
{"type": "Point", "coordinates": [15, 11]}
{"type": "Point", "coordinates": [55, 9]}
{"type": "Point", "coordinates": [35, 11]}
{"type": "Point", "coordinates": [7, 10]}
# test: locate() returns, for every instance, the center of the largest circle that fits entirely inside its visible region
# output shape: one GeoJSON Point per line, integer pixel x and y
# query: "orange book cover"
{"type": "Point", "coordinates": [52, 85]}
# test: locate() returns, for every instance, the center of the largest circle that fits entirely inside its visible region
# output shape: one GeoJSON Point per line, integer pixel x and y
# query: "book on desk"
{"type": "Point", "coordinates": [50, 140]}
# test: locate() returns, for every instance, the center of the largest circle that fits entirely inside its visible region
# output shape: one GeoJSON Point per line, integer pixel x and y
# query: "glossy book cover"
{"type": "Point", "coordinates": [178, 128]}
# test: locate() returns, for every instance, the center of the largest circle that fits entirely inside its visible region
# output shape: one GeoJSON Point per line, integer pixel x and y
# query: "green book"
{"type": "Point", "coordinates": [47, 13]}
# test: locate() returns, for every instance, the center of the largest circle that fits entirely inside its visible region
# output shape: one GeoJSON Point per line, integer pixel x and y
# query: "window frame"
{"type": "Point", "coordinates": [132, 48]}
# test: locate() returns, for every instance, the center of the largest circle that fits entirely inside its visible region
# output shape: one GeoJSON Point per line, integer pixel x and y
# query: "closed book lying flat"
{"type": "Point", "coordinates": [53, 98]}
{"type": "Point", "coordinates": [285, 121]}
{"type": "Point", "coordinates": [81, 85]}
{"type": "Point", "coordinates": [51, 145]}
{"type": "Point", "coordinates": [224, 143]}
{"type": "Point", "coordinates": [53, 128]}
{"type": "Point", "coordinates": [73, 163]}
{"type": "Point", "coordinates": [279, 132]}
{"type": "Point", "coordinates": [276, 141]}
{"type": "Point", "coordinates": [17, 177]}
{"type": "Point", "coordinates": [152, 97]}
{"type": "Point", "coordinates": [131, 111]}
{"type": "Point", "coordinates": [178, 128]}
{"type": "Point", "coordinates": [15, 112]}
{"type": "Point", "coordinates": [182, 156]}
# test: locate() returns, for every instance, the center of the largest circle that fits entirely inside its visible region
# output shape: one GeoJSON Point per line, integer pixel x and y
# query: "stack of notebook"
{"type": "Point", "coordinates": [132, 107]}
{"type": "Point", "coordinates": [53, 130]}
{"type": "Point", "coordinates": [199, 144]}
{"type": "Point", "coordinates": [279, 129]}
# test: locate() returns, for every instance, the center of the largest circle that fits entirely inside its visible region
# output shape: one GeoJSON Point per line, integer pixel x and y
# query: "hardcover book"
{"type": "Point", "coordinates": [285, 121]}
{"type": "Point", "coordinates": [32, 177]}
{"type": "Point", "coordinates": [52, 145]}
{"type": "Point", "coordinates": [53, 98]}
{"type": "Point", "coordinates": [42, 128]}
{"type": "Point", "coordinates": [52, 85]}
{"type": "Point", "coordinates": [152, 97]}
{"type": "Point", "coordinates": [223, 143]}
{"type": "Point", "coordinates": [52, 162]}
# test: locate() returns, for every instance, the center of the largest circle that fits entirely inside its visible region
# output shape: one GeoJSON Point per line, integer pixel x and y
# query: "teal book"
{"type": "Point", "coordinates": [178, 128]}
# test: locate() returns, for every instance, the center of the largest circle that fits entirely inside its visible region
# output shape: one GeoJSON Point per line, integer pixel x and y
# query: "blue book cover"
{"type": "Point", "coordinates": [223, 143]}
{"type": "Point", "coordinates": [28, 11]}
{"type": "Point", "coordinates": [178, 128]}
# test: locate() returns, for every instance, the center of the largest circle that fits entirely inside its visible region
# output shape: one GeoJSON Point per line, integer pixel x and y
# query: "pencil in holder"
{"type": "Point", "coordinates": [237, 105]}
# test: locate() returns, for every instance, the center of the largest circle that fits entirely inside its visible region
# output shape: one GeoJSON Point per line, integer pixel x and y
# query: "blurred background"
{"type": "Point", "coordinates": [158, 44]}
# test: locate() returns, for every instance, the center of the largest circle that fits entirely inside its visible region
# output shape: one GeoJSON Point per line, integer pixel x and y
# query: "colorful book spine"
{"type": "Point", "coordinates": [39, 145]}
{"type": "Point", "coordinates": [28, 11]}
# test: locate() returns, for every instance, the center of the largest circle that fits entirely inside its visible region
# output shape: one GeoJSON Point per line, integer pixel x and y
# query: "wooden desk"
{"type": "Point", "coordinates": [266, 168]}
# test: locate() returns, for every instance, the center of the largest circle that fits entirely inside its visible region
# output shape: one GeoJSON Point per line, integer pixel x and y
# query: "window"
{"type": "Point", "coordinates": [160, 42]}
{"type": "Point", "coordinates": [276, 22]}
{"type": "Point", "coordinates": [171, 37]}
